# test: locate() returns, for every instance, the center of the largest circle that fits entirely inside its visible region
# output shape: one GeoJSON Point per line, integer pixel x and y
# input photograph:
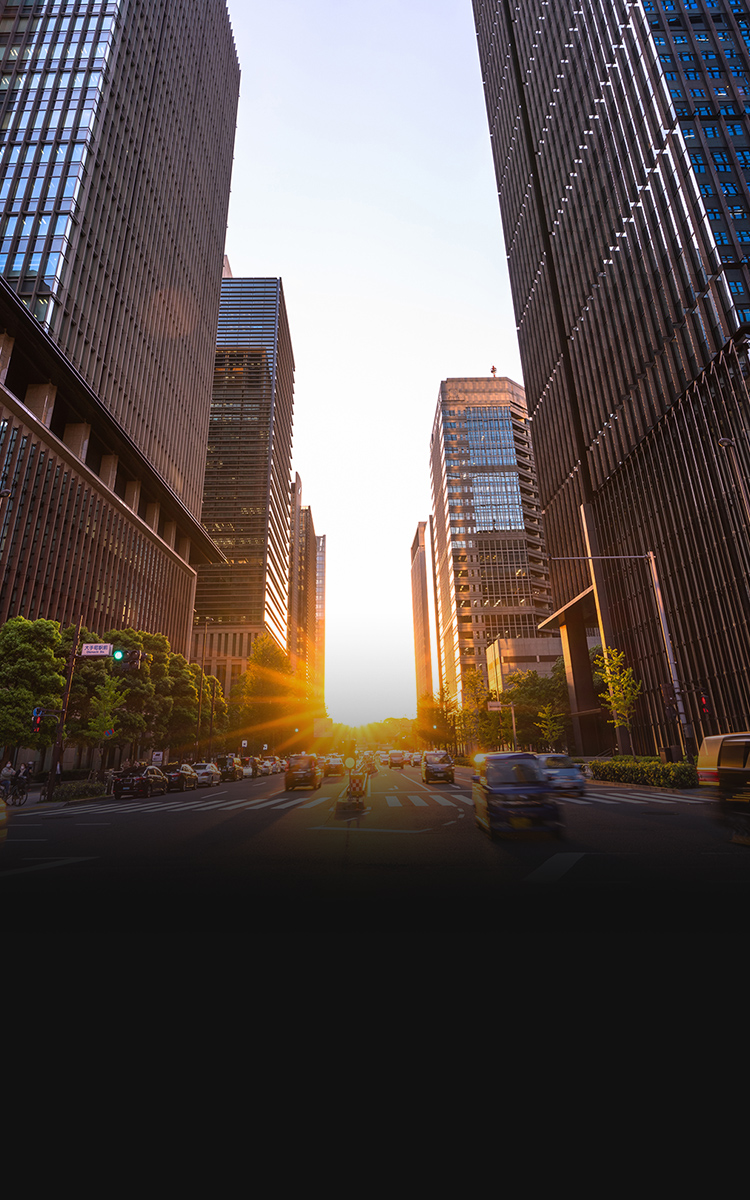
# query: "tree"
{"type": "Point", "coordinates": [103, 712]}
{"type": "Point", "coordinates": [262, 701]}
{"type": "Point", "coordinates": [32, 675]}
{"type": "Point", "coordinates": [530, 693]}
{"type": "Point", "coordinates": [181, 729]}
{"type": "Point", "coordinates": [551, 726]}
{"type": "Point", "coordinates": [622, 688]}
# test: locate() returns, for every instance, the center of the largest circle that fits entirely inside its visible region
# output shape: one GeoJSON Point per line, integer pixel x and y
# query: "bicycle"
{"type": "Point", "coordinates": [18, 792]}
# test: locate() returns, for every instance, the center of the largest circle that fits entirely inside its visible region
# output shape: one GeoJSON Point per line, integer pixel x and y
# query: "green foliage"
{"type": "Point", "coordinates": [622, 689]}
{"type": "Point", "coordinates": [532, 694]}
{"type": "Point", "coordinates": [654, 773]}
{"type": "Point", "coordinates": [32, 675]}
{"type": "Point", "coordinates": [79, 790]}
{"type": "Point", "coordinates": [436, 721]}
{"type": "Point", "coordinates": [551, 725]}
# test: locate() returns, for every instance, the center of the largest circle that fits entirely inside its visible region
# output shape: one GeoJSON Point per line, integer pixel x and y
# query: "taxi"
{"type": "Point", "coordinates": [513, 797]}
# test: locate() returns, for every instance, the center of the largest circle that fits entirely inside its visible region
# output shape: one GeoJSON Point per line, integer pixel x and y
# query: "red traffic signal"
{"type": "Point", "coordinates": [706, 705]}
{"type": "Point", "coordinates": [36, 719]}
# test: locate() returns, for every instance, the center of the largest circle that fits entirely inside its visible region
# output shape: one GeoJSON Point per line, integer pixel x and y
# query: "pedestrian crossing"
{"type": "Point", "coordinates": [307, 800]}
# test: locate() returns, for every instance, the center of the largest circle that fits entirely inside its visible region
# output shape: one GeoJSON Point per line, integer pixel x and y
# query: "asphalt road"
{"type": "Point", "coordinates": [256, 843]}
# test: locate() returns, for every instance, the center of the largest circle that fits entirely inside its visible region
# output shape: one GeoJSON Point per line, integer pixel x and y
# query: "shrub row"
{"type": "Point", "coordinates": [78, 790]}
{"type": "Point", "coordinates": [654, 773]}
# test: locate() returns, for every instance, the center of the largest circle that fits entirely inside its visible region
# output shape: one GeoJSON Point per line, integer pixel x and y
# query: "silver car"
{"type": "Point", "coordinates": [208, 773]}
{"type": "Point", "coordinates": [563, 773]}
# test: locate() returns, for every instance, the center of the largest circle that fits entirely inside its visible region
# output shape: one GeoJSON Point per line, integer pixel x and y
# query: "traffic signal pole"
{"type": "Point", "coordinates": [57, 748]}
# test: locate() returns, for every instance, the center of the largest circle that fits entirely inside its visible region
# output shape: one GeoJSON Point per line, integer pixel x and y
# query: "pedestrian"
{"type": "Point", "coordinates": [7, 775]}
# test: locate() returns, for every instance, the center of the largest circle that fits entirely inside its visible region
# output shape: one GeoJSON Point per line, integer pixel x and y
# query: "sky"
{"type": "Point", "coordinates": [363, 178]}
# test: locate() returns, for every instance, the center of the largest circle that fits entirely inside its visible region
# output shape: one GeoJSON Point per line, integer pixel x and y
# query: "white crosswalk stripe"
{"type": "Point", "coordinates": [418, 801]}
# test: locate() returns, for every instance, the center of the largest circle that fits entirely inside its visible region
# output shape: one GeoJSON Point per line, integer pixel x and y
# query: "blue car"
{"type": "Point", "coordinates": [513, 798]}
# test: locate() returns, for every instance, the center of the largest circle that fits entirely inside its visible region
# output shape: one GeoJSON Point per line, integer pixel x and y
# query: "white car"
{"type": "Point", "coordinates": [208, 773]}
{"type": "Point", "coordinates": [416, 759]}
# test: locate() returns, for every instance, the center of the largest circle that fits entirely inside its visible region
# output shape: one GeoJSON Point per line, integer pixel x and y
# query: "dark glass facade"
{"type": "Point", "coordinates": [488, 551]}
{"type": "Point", "coordinates": [117, 123]}
{"type": "Point", "coordinates": [246, 504]}
{"type": "Point", "coordinates": [621, 146]}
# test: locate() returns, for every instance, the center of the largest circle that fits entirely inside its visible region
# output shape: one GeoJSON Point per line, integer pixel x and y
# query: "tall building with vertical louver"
{"type": "Point", "coordinates": [248, 488]}
{"type": "Point", "coordinates": [116, 149]}
{"type": "Point", "coordinates": [621, 142]}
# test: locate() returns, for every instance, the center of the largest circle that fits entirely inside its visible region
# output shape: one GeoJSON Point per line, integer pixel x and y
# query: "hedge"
{"type": "Point", "coordinates": [78, 790]}
{"type": "Point", "coordinates": [656, 774]}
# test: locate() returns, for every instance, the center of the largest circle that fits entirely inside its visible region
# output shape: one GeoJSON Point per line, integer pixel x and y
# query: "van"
{"type": "Point", "coordinates": [724, 763]}
{"type": "Point", "coordinates": [230, 766]}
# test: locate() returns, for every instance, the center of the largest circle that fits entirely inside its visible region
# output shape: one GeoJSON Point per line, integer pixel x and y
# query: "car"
{"type": "Point", "coordinates": [437, 764]}
{"type": "Point", "coordinates": [141, 780]}
{"type": "Point", "coordinates": [208, 773]}
{"type": "Point", "coordinates": [270, 766]}
{"type": "Point", "coordinates": [180, 778]}
{"type": "Point", "coordinates": [416, 759]}
{"type": "Point", "coordinates": [334, 765]}
{"type": "Point", "coordinates": [513, 797]}
{"type": "Point", "coordinates": [230, 766]}
{"type": "Point", "coordinates": [303, 770]}
{"type": "Point", "coordinates": [396, 759]}
{"type": "Point", "coordinates": [383, 758]}
{"type": "Point", "coordinates": [563, 773]}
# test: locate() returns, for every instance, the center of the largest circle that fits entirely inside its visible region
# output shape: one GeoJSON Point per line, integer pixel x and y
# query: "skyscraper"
{"type": "Point", "coordinates": [246, 506]}
{"type": "Point", "coordinates": [303, 567]}
{"type": "Point", "coordinates": [421, 613]}
{"type": "Point", "coordinates": [116, 167]}
{"type": "Point", "coordinates": [115, 162]}
{"type": "Point", "coordinates": [488, 549]}
{"type": "Point", "coordinates": [621, 147]}
{"type": "Point", "coordinates": [320, 616]}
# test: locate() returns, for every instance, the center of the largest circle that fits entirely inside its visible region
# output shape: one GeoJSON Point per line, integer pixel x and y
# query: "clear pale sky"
{"type": "Point", "coordinates": [363, 177]}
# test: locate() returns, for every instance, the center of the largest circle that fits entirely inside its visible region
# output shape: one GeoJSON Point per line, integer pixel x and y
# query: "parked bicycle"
{"type": "Point", "coordinates": [18, 792]}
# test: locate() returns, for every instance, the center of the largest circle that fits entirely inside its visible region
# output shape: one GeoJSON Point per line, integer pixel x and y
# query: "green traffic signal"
{"type": "Point", "coordinates": [118, 655]}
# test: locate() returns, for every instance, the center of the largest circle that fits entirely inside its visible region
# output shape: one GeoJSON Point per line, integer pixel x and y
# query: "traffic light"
{"type": "Point", "coordinates": [127, 660]}
{"type": "Point", "coordinates": [706, 705]}
{"type": "Point", "coordinates": [36, 719]}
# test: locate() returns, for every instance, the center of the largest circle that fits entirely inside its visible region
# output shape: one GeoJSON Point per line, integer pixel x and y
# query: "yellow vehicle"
{"type": "Point", "coordinates": [724, 763]}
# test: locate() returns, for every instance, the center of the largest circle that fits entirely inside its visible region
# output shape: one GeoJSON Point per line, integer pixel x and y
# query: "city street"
{"type": "Point", "coordinates": [253, 839]}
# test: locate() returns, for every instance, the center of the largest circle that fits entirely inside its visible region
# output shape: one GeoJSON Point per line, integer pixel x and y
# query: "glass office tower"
{"type": "Point", "coordinates": [247, 497]}
{"type": "Point", "coordinates": [621, 145]}
{"type": "Point", "coordinates": [488, 551]}
{"type": "Point", "coordinates": [117, 124]}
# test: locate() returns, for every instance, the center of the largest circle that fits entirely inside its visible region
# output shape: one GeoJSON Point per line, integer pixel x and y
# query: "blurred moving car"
{"type": "Point", "coordinates": [230, 766]}
{"type": "Point", "coordinates": [303, 770]}
{"type": "Point", "coordinates": [514, 798]}
{"type": "Point", "coordinates": [416, 759]}
{"type": "Point", "coordinates": [141, 780]}
{"type": "Point", "coordinates": [437, 764]}
{"type": "Point", "coordinates": [208, 773]}
{"type": "Point", "coordinates": [563, 773]}
{"type": "Point", "coordinates": [397, 758]}
{"type": "Point", "coordinates": [180, 778]}
{"type": "Point", "coordinates": [334, 765]}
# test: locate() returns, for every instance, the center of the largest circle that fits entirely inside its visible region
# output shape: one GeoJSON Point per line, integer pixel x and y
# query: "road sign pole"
{"type": "Point", "coordinates": [57, 749]}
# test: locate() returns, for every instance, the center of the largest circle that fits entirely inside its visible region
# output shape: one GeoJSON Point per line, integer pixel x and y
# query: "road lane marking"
{"type": "Point", "coordinates": [553, 869]}
{"type": "Point", "coordinates": [318, 800]}
{"type": "Point", "coordinates": [296, 800]}
{"type": "Point", "coordinates": [418, 801]}
{"type": "Point", "coordinates": [58, 862]}
{"type": "Point", "coordinates": [393, 802]}
{"type": "Point", "coordinates": [443, 800]}
{"type": "Point", "coordinates": [348, 828]}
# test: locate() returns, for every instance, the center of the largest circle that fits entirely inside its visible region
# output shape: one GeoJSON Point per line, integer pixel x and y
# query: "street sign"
{"type": "Point", "coordinates": [244, 745]}
{"type": "Point", "coordinates": [265, 746]}
{"type": "Point", "coordinates": [96, 650]}
{"type": "Point", "coordinates": [108, 733]}
{"type": "Point", "coordinates": [157, 757]}
{"type": "Point", "coordinates": [494, 706]}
